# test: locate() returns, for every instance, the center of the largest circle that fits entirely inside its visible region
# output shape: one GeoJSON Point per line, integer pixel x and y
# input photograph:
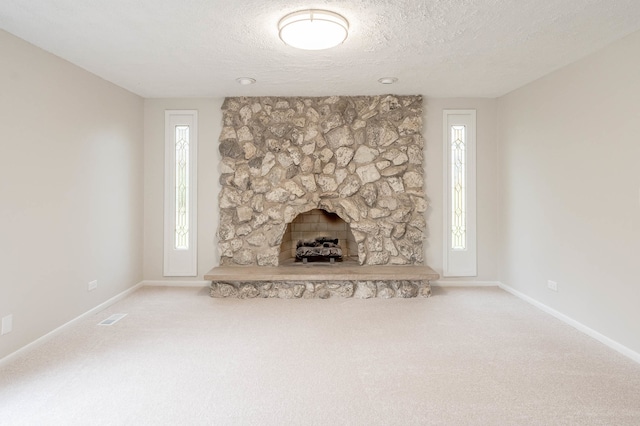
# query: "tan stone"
{"type": "Point", "coordinates": [278, 195]}
{"type": "Point", "coordinates": [308, 182]}
{"type": "Point", "coordinates": [410, 126]}
{"type": "Point", "coordinates": [343, 156]}
{"type": "Point", "coordinates": [340, 136]}
{"type": "Point", "coordinates": [368, 173]}
{"type": "Point", "coordinates": [267, 163]}
{"type": "Point", "coordinates": [334, 120]}
{"type": "Point", "coordinates": [244, 134]}
{"type": "Point", "coordinates": [249, 150]}
{"type": "Point", "coordinates": [306, 165]}
{"type": "Point", "coordinates": [393, 171]}
{"type": "Point", "coordinates": [327, 183]}
{"type": "Point", "coordinates": [326, 155]}
{"type": "Point", "coordinates": [244, 213]}
{"type": "Point", "coordinates": [365, 290]}
{"type": "Point", "coordinates": [309, 148]}
{"type": "Point", "coordinates": [256, 239]}
{"type": "Point", "coordinates": [364, 155]}
{"type": "Point", "coordinates": [293, 188]}
{"type": "Point", "coordinates": [381, 165]}
{"type": "Point", "coordinates": [350, 186]}
{"type": "Point", "coordinates": [412, 179]}
{"type": "Point", "coordinates": [246, 113]}
{"type": "Point", "coordinates": [329, 169]}
{"type": "Point", "coordinates": [228, 133]}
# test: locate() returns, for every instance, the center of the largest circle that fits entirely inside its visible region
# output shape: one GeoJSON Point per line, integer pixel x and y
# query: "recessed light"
{"type": "Point", "coordinates": [387, 80]}
{"type": "Point", "coordinates": [245, 81]}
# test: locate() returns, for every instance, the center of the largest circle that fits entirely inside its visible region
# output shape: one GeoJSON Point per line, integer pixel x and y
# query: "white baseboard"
{"type": "Point", "coordinates": [171, 283]}
{"type": "Point", "coordinates": [635, 356]}
{"type": "Point", "coordinates": [60, 329]}
{"type": "Point", "coordinates": [462, 283]}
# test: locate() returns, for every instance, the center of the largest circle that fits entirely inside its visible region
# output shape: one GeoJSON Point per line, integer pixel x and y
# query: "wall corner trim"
{"type": "Point", "coordinates": [635, 356]}
{"type": "Point", "coordinates": [43, 339]}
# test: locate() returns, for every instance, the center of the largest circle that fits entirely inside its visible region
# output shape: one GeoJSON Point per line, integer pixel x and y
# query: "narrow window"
{"type": "Point", "coordinates": [182, 188]}
{"type": "Point", "coordinates": [458, 193]}
{"type": "Point", "coordinates": [180, 235]}
{"type": "Point", "coordinates": [460, 258]}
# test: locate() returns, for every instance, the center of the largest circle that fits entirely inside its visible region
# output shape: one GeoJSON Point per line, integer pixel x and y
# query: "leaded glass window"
{"type": "Point", "coordinates": [182, 188]}
{"type": "Point", "coordinates": [458, 188]}
{"type": "Point", "coordinates": [460, 257]}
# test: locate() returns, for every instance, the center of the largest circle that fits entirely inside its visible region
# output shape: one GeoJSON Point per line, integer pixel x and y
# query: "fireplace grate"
{"type": "Point", "coordinates": [322, 249]}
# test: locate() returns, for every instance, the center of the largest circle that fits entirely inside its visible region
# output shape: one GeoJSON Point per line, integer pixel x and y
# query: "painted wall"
{"type": "Point", "coordinates": [70, 190]}
{"type": "Point", "coordinates": [209, 127]}
{"type": "Point", "coordinates": [569, 198]}
{"type": "Point", "coordinates": [486, 162]}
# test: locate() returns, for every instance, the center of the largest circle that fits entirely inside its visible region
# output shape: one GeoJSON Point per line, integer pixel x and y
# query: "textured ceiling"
{"type": "Point", "coordinates": [437, 48]}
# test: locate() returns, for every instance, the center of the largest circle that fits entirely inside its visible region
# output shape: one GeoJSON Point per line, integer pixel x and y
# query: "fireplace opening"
{"type": "Point", "coordinates": [318, 236]}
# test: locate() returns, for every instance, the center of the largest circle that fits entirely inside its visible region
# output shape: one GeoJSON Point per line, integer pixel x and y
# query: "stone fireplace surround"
{"type": "Point", "coordinates": [358, 157]}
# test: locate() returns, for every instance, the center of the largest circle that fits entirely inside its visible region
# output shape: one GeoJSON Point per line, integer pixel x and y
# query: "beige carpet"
{"type": "Point", "coordinates": [466, 356]}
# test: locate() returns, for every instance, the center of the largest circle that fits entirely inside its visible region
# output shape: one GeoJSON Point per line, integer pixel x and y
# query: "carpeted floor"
{"type": "Point", "coordinates": [466, 356]}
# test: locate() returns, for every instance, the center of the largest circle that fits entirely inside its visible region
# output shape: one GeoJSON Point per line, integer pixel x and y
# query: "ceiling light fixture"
{"type": "Point", "coordinates": [313, 29]}
{"type": "Point", "coordinates": [245, 81]}
{"type": "Point", "coordinates": [387, 80]}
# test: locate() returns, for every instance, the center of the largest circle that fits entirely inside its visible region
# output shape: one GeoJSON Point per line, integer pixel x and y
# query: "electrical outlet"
{"type": "Point", "coordinates": [7, 324]}
{"type": "Point", "coordinates": [92, 285]}
{"type": "Point", "coordinates": [552, 285]}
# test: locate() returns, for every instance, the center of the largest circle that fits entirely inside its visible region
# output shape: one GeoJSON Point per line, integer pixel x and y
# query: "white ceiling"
{"type": "Point", "coordinates": [437, 48]}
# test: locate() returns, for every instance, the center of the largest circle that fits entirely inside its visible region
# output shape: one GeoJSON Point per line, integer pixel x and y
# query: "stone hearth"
{"type": "Point", "coordinates": [321, 281]}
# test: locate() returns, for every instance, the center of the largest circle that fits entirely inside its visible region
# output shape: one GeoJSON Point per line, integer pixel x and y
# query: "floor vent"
{"type": "Point", "coordinates": [112, 319]}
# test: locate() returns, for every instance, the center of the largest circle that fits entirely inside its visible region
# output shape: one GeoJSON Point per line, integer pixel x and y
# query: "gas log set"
{"type": "Point", "coordinates": [322, 249]}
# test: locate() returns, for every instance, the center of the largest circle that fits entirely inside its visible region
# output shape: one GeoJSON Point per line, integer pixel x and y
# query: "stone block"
{"type": "Point", "coordinates": [248, 291]}
{"type": "Point", "coordinates": [365, 155]}
{"type": "Point", "coordinates": [368, 173]}
{"type": "Point", "coordinates": [340, 136]}
{"type": "Point", "coordinates": [365, 290]}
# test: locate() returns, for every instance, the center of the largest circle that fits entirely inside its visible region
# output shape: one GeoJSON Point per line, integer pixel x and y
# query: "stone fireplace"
{"type": "Point", "coordinates": [358, 157]}
{"type": "Point", "coordinates": [295, 169]}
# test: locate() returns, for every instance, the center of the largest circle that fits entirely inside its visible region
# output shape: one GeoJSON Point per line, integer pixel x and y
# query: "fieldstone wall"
{"type": "Point", "coordinates": [321, 290]}
{"type": "Point", "coordinates": [359, 157]}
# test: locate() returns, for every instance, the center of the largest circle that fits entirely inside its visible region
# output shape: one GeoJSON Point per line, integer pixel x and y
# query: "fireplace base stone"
{"type": "Point", "coordinates": [321, 281]}
{"type": "Point", "coordinates": [320, 289]}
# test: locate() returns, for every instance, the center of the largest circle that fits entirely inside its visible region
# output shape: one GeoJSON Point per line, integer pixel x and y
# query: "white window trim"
{"type": "Point", "coordinates": [180, 262]}
{"type": "Point", "coordinates": [456, 262]}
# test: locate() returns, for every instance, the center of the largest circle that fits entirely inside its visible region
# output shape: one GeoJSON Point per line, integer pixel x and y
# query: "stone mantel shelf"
{"type": "Point", "coordinates": [321, 272]}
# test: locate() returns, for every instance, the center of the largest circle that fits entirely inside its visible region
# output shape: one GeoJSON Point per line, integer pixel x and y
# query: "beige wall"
{"type": "Point", "coordinates": [70, 190]}
{"type": "Point", "coordinates": [569, 190]}
{"type": "Point", "coordinates": [486, 161]}
{"type": "Point", "coordinates": [209, 127]}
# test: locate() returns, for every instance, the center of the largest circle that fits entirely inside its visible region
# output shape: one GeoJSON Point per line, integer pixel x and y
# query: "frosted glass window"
{"type": "Point", "coordinates": [182, 188]}
{"type": "Point", "coordinates": [458, 189]}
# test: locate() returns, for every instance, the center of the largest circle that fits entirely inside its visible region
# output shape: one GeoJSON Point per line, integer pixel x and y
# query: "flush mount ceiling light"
{"type": "Point", "coordinates": [313, 29]}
